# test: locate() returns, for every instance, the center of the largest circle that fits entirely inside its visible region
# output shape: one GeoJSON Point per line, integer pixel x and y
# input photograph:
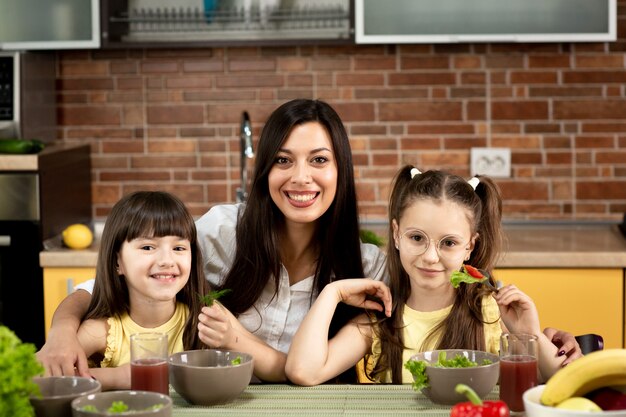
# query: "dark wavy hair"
{"type": "Point", "coordinates": [257, 258]}
{"type": "Point", "coordinates": [463, 328]}
{"type": "Point", "coordinates": [154, 214]}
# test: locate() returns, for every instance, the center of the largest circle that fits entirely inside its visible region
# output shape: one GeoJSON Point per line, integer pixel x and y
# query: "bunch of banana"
{"type": "Point", "coordinates": [602, 368]}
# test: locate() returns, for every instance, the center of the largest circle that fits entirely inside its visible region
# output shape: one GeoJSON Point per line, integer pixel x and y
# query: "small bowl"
{"type": "Point", "coordinates": [208, 376]}
{"type": "Point", "coordinates": [534, 408]}
{"type": "Point", "coordinates": [57, 393]}
{"type": "Point", "coordinates": [139, 404]}
{"type": "Point", "coordinates": [481, 378]}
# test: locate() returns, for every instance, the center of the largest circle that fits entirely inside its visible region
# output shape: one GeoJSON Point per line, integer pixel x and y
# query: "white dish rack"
{"type": "Point", "coordinates": [189, 20]}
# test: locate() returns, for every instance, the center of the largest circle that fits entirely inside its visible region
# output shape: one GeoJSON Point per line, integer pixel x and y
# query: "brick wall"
{"type": "Point", "coordinates": [169, 119]}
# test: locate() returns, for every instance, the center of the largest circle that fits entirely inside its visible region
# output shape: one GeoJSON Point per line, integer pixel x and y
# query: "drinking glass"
{"type": "Point", "coordinates": [518, 367]}
{"type": "Point", "coordinates": [148, 362]}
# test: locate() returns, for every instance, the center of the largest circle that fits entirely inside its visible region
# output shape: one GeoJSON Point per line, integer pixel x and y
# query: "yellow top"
{"type": "Point", "coordinates": [118, 340]}
{"type": "Point", "coordinates": [418, 324]}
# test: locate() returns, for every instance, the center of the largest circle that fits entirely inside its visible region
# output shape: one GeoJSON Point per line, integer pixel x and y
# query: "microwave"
{"type": "Point", "coordinates": [28, 95]}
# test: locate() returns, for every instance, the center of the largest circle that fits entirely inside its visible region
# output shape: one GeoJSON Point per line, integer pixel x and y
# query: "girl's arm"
{"type": "Point", "coordinates": [520, 315]}
{"type": "Point", "coordinates": [312, 358]}
{"type": "Point", "coordinates": [62, 350]}
{"type": "Point", "coordinates": [92, 335]}
{"type": "Point", "coordinates": [218, 328]}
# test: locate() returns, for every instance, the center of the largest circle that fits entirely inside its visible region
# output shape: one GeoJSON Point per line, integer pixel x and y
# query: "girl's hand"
{"type": "Point", "coordinates": [215, 329]}
{"type": "Point", "coordinates": [566, 342]}
{"type": "Point", "coordinates": [518, 310]}
{"type": "Point", "coordinates": [355, 292]}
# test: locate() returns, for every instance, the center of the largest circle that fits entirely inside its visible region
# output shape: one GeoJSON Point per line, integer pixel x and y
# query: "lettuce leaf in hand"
{"type": "Point", "coordinates": [469, 275]}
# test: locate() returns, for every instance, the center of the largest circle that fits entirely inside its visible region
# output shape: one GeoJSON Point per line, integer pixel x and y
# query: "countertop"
{"type": "Point", "coordinates": [527, 246]}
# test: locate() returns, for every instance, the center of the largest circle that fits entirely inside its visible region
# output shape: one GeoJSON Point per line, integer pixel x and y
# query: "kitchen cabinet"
{"type": "Point", "coordinates": [208, 23]}
{"type": "Point", "coordinates": [577, 300]}
{"type": "Point", "coordinates": [57, 284]}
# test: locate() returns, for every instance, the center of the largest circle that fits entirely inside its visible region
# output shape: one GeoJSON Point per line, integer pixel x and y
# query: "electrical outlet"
{"type": "Point", "coordinates": [493, 162]}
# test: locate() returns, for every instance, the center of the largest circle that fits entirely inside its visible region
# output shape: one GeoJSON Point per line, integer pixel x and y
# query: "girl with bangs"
{"type": "Point", "coordinates": [148, 278]}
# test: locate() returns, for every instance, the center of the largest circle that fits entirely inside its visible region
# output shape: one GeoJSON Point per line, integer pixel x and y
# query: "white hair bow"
{"type": "Point", "coordinates": [474, 182]}
{"type": "Point", "coordinates": [415, 172]}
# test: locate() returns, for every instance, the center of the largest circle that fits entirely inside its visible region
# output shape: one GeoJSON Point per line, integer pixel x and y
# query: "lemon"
{"type": "Point", "coordinates": [77, 236]}
{"type": "Point", "coordinates": [578, 404]}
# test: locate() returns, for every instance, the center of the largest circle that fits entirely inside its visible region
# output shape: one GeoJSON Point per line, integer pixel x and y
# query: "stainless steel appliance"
{"type": "Point", "coordinates": [28, 95]}
{"type": "Point", "coordinates": [40, 195]}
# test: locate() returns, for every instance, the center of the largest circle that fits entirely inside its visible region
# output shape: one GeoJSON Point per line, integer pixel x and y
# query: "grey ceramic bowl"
{"type": "Point", "coordinates": [140, 404]}
{"type": "Point", "coordinates": [481, 378]}
{"type": "Point", "coordinates": [208, 376]}
{"type": "Point", "coordinates": [58, 392]}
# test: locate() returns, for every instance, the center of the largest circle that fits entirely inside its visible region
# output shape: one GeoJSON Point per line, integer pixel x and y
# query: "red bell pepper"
{"type": "Point", "coordinates": [475, 407]}
{"type": "Point", "coordinates": [474, 272]}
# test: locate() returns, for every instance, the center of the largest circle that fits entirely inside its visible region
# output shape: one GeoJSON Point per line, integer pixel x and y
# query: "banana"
{"type": "Point", "coordinates": [598, 369]}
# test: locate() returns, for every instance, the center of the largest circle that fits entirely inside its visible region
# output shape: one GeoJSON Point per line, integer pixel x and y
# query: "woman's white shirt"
{"type": "Point", "coordinates": [273, 319]}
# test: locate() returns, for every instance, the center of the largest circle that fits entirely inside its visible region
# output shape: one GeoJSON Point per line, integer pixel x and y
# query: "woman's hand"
{"type": "Point", "coordinates": [62, 355]}
{"type": "Point", "coordinates": [565, 342]}
{"type": "Point", "coordinates": [355, 292]}
{"type": "Point", "coordinates": [215, 328]}
{"type": "Point", "coordinates": [517, 310]}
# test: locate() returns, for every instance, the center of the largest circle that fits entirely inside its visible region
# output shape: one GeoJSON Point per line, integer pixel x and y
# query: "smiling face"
{"type": "Point", "coordinates": [303, 178]}
{"type": "Point", "coordinates": [447, 225]}
{"type": "Point", "coordinates": [156, 268]}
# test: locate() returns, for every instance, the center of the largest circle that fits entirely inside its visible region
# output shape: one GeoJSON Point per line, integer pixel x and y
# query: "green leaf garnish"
{"type": "Point", "coordinates": [236, 361]}
{"type": "Point", "coordinates": [458, 277]}
{"type": "Point", "coordinates": [210, 298]}
{"type": "Point", "coordinates": [117, 407]}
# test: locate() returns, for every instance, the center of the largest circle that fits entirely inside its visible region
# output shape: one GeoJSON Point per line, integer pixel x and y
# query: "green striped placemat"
{"type": "Point", "coordinates": [278, 400]}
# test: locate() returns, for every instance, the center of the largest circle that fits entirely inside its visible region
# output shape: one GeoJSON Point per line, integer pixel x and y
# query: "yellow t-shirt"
{"type": "Point", "coordinates": [418, 324]}
{"type": "Point", "coordinates": [118, 340]}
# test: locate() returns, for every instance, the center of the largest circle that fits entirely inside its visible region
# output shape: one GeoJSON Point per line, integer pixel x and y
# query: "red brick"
{"type": "Point", "coordinates": [134, 176]}
{"type": "Point", "coordinates": [467, 92]}
{"type": "Point", "coordinates": [124, 67]}
{"type": "Point", "coordinates": [424, 62]}
{"type": "Point", "coordinates": [390, 92]}
{"type": "Point", "coordinates": [89, 115]}
{"type": "Point", "coordinates": [186, 81]}
{"type": "Point", "coordinates": [542, 128]}
{"type": "Point", "coordinates": [435, 78]}
{"type": "Point", "coordinates": [425, 111]}
{"type": "Point", "coordinates": [526, 110]}
{"type": "Point", "coordinates": [105, 194]}
{"type": "Point", "coordinates": [594, 77]}
{"type": "Point", "coordinates": [599, 61]}
{"type": "Point", "coordinates": [368, 63]}
{"type": "Point", "coordinates": [247, 65]}
{"type": "Point", "coordinates": [467, 62]}
{"type": "Point", "coordinates": [171, 146]}
{"type": "Point", "coordinates": [600, 190]}
{"type": "Point", "coordinates": [504, 61]}
{"type": "Point", "coordinates": [615, 157]}
{"type": "Point", "coordinates": [163, 161]}
{"type": "Point", "coordinates": [330, 64]}
{"type": "Point", "coordinates": [179, 114]}
{"type": "Point", "coordinates": [441, 128]}
{"type": "Point", "coordinates": [239, 81]}
{"type": "Point", "coordinates": [125, 147]}
{"type": "Point", "coordinates": [292, 64]}
{"type": "Point", "coordinates": [409, 143]}
{"type": "Point", "coordinates": [354, 112]}
{"type": "Point", "coordinates": [517, 190]}
{"type": "Point", "coordinates": [589, 109]}
{"type": "Point", "coordinates": [565, 91]}
{"type": "Point", "coordinates": [81, 68]}
{"type": "Point", "coordinates": [594, 142]}
{"type": "Point", "coordinates": [86, 84]}
{"type": "Point", "coordinates": [533, 77]}
{"type": "Point", "coordinates": [159, 67]}
{"type": "Point", "coordinates": [359, 79]}
{"type": "Point", "coordinates": [557, 142]}
{"type": "Point", "coordinates": [549, 61]}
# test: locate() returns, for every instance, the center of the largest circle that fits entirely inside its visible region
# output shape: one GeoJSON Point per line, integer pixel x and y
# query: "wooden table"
{"type": "Point", "coordinates": [278, 400]}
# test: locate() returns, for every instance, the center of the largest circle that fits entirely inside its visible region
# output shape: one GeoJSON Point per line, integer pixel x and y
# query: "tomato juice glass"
{"type": "Point", "coordinates": [518, 367]}
{"type": "Point", "coordinates": [148, 362]}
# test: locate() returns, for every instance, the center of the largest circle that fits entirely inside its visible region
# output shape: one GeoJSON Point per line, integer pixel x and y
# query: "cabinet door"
{"type": "Point", "coordinates": [57, 284]}
{"type": "Point", "coordinates": [576, 300]}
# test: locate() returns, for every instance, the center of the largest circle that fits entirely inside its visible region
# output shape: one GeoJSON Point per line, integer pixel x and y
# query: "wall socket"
{"type": "Point", "coordinates": [493, 162]}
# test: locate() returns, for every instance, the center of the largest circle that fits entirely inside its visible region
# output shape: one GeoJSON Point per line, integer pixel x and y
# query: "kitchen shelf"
{"type": "Point", "coordinates": [145, 26]}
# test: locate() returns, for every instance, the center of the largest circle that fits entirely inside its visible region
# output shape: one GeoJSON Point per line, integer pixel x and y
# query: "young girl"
{"type": "Point", "coordinates": [438, 221]}
{"type": "Point", "coordinates": [149, 277]}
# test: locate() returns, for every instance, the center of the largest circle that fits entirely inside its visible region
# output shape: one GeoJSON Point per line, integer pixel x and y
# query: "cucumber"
{"type": "Point", "coordinates": [20, 146]}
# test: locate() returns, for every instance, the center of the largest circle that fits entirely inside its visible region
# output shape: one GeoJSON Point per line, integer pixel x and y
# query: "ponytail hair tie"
{"type": "Point", "coordinates": [414, 172]}
{"type": "Point", "coordinates": [474, 182]}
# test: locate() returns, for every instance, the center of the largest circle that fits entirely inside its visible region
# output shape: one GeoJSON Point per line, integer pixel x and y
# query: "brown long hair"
{"type": "Point", "coordinates": [463, 327]}
{"type": "Point", "coordinates": [257, 258]}
{"type": "Point", "coordinates": [146, 213]}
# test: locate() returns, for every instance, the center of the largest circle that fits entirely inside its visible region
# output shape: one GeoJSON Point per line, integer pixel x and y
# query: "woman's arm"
{"type": "Point", "coordinates": [520, 315]}
{"type": "Point", "coordinates": [62, 352]}
{"type": "Point", "coordinates": [312, 358]}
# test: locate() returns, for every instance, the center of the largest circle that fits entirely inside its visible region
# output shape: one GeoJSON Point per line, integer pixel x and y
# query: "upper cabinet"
{"type": "Point", "coordinates": [49, 24]}
{"type": "Point", "coordinates": [450, 21]}
{"type": "Point", "coordinates": [187, 23]}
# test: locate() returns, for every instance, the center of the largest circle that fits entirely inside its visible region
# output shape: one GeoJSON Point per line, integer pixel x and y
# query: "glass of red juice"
{"type": "Point", "coordinates": [148, 362]}
{"type": "Point", "coordinates": [518, 367]}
